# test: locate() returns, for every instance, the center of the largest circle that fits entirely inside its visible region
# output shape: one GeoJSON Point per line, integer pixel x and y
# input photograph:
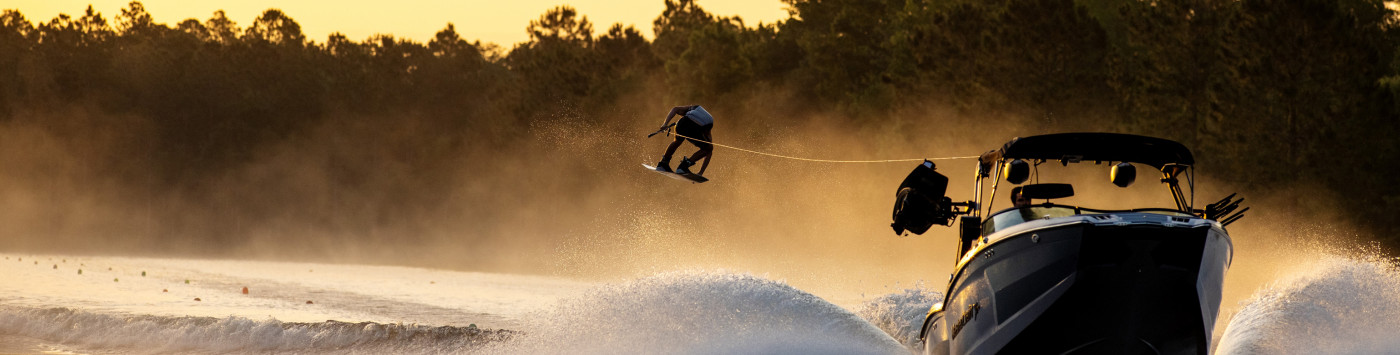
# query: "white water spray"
{"type": "Point", "coordinates": [1340, 305]}
{"type": "Point", "coordinates": [700, 313]}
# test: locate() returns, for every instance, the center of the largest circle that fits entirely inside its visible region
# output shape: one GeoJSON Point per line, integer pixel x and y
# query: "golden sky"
{"type": "Point", "coordinates": [496, 21]}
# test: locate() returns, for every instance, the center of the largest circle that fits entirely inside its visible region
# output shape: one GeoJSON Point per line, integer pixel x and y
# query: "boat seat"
{"type": "Point", "coordinates": [1047, 191]}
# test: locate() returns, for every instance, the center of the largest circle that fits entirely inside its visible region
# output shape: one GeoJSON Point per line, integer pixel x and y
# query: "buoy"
{"type": "Point", "coordinates": [245, 290]}
{"type": "Point", "coordinates": [196, 299]}
{"type": "Point", "coordinates": [432, 282]}
{"type": "Point", "coordinates": [109, 269]}
{"type": "Point", "coordinates": [308, 302]}
{"type": "Point", "coordinates": [114, 279]}
{"type": "Point", "coordinates": [187, 281]}
{"type": "Point", "coordinates": [80, 271]}
{"type": "Point", "coordinates": [164, 290]}
{"type": "Point", "coordinates": [55, 266]}
{"type": "Point", "coordinates": [143, 274]}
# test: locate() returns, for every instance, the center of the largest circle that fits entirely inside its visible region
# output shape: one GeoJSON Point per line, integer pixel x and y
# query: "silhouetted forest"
{"type": "Point", "coordinates": [1269, 93]}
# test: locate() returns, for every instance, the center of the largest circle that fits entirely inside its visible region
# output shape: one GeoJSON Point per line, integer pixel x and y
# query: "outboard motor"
{"type": "Point", "coordinates": [920, 201]}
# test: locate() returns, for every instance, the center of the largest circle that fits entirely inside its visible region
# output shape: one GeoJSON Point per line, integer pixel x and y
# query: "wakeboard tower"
{"type": "Point", "coordinates": [1053, 278]}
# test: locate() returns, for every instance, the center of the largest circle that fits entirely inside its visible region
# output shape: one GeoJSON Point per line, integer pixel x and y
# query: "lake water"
{"type": "Point", "coordinates": [118, 305]}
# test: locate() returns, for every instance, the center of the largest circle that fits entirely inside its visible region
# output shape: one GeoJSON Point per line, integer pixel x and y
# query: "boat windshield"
{"type": "Point", "coordinates": [1013, 216]}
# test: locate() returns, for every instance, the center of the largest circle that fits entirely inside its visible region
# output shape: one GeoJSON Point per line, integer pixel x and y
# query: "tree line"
{"type": "Point", "coordinates": [1269, 93]}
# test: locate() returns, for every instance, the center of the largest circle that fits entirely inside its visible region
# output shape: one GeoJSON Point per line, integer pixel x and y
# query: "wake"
{"type": "Point", "coordinates": [155, 334]}
{"type": "Point", "coordinates": [1341, 305]}
{"type": "Point", "coordinates": [700, 313]}
{"type": "Point", "coordinates": [901, 314]}
{"type": "Point", "coordinates": [673, 313]}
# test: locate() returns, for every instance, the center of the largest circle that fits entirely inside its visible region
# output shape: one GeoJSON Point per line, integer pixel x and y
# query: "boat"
{"type": "Point", "coordinates": [1045, 276]}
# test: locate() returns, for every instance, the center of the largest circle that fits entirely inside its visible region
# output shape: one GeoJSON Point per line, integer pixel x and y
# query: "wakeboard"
{"type": "Point", "coordinates": [678, 176]}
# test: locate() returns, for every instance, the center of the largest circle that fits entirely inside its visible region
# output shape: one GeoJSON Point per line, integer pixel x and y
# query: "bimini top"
{"type": "Point", "coordinates": [1106, 147]}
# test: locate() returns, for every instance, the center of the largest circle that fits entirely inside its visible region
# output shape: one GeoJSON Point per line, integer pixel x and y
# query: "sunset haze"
{"type": "Point", "coordinates": [499, 22]}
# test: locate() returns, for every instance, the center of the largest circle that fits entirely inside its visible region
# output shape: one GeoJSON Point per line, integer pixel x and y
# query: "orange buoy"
{"type": "Point", "coordinates": [196, 299]}
{"type": "Point", "coordinates": [308, 302]}
{"type": "Point", "coordinates": [164, 290]}
{"type": "Point", "coordinates": [245, 290]}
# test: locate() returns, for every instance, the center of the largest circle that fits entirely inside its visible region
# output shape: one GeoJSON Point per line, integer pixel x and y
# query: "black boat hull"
{"type": "Point", "coordinates": [1137, 284]}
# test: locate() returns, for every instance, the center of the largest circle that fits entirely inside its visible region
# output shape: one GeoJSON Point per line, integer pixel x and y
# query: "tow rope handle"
{"type": "Point", "coordinates": [663, 129]}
